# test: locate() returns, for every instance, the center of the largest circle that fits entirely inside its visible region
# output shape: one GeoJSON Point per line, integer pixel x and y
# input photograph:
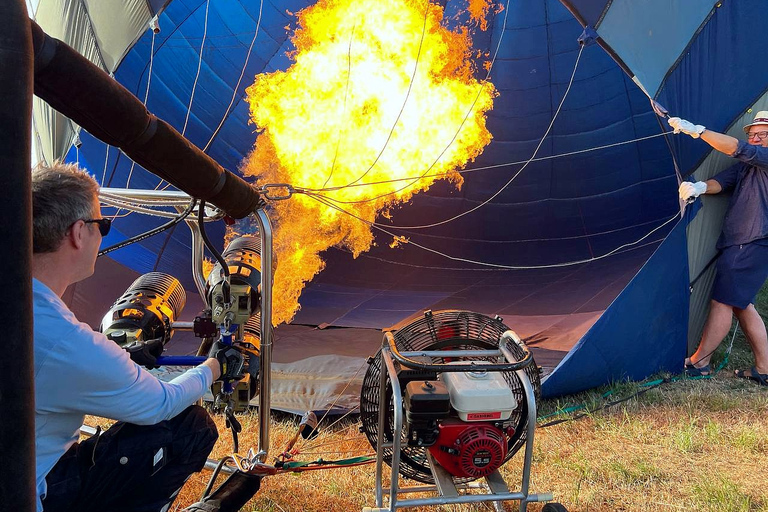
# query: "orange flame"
{"type": "Point", "coordinates": [380, 90]}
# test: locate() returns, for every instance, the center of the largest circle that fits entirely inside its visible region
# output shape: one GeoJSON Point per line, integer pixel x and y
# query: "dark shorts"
{"type": "Point", "coordinates": [741, 272]}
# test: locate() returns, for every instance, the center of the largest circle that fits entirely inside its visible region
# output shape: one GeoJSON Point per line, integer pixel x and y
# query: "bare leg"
{"type": "Point", "coordinates": [717, 327]}
{"type": "Point", "coordinates": [754, 329]}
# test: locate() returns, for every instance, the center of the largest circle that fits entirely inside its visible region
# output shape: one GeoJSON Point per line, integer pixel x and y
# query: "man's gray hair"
{"type": "Point", "coordinates": [62, 194]}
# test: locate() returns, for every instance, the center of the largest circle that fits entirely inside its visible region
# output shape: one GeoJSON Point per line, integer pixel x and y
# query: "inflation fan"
{"type": "Point", "coordinates": [449, 399]}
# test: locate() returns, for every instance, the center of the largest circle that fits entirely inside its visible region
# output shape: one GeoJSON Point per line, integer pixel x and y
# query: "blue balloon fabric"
{"type": "Point", "coordinates": [589, 192]}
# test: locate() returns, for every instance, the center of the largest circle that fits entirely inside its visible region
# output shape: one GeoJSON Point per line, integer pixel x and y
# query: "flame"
{"type": "Point", "coordinates": [379, 90]}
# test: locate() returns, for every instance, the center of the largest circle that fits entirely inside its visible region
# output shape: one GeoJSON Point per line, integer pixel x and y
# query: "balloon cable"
{"type": "Point", "coordinates": [378, 227]}
{"type": "Point", "coordinates": [151, 232]}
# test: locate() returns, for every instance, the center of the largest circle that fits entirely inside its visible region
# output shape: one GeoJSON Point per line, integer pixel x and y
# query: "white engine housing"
{"type": "Point", "coordinates": [480, 396]}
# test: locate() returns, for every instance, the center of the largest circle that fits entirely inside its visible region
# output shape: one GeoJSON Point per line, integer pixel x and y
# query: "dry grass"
{"type": "Point", "coordinates": [688, 445]}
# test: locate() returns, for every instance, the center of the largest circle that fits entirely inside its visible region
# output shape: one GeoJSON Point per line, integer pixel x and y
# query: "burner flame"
{"type": "Point", "coordinates": [380, 102]}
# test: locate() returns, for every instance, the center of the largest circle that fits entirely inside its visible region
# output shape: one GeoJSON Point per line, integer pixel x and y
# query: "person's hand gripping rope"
{"type": "Point", "coordinates": [688, 191]}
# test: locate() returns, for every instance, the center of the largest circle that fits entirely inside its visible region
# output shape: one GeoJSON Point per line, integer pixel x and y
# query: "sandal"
{"type": "Point", "coordinates": [753, 374]}
{"type": "Point", "coordinates": [689, 370]}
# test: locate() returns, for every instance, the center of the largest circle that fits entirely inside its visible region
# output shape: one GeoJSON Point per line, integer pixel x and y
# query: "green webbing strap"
{"type": "Point", "coordinates": [569, 409]}
{"type": "Point", "coordinates": [646, 385]}
{"type": "Point", "coordinates": [728, 352]}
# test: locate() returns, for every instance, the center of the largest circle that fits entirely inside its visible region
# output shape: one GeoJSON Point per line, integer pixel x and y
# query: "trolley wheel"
{"type": "Point", "coordinates": [554, 507]}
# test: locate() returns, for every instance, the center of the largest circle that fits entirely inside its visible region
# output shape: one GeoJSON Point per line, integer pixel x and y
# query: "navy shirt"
{"type": "Point", "coordinates": [747, 217]}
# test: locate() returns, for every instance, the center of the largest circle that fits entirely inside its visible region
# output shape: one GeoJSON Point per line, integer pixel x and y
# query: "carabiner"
{"type": "Point", "coordinates": [289, 191]}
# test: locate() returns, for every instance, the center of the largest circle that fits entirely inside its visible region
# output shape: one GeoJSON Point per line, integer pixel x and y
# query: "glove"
{"type": "Point", "coordinates": [687, 127]}
{"type": "Point", "coordinates": [690, 191]}
{"type": "Point", "coordinates": [230, 359]}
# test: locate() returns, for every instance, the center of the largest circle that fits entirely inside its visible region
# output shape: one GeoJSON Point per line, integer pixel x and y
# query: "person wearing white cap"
{"type": "Point", "coordinates": [742, 266]}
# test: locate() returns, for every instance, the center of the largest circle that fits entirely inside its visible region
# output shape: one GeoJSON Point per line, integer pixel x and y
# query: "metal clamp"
{"type": "Point", "coordinates": [288, 191]}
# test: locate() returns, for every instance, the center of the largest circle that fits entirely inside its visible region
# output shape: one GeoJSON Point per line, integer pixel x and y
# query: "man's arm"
{"type": "Point", "coordinates": [721, 142]}
{"type": "Point", "coordinates": [713, 186]}
{"type": "Point", "coordinates": [103, 381]}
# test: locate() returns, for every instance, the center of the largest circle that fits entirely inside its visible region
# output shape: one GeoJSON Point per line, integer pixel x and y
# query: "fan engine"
{"type": "Point", "coordinates": [469, 450]}
{"type": "Point", "coordinates": [469, 422]}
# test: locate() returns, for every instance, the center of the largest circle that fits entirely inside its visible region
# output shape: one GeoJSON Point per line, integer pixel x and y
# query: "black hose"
{"type": "Point", "coordinates": [214, 476]}
{"type": "Point", "coordinates": [207, 241]}
{"type": "Point", "coordinates": [143, 236]}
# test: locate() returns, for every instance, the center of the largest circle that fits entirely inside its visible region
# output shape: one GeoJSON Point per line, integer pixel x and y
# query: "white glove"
{"type": "Point", "coordinates": [687, 127]}
{"type": "Point", "coordinates": [691, 191]}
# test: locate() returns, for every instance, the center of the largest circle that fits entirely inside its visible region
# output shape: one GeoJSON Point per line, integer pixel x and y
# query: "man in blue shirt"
{"type": "Point", "coordinates": [742, 267]}
{"type": "Point", "coordinates": [141, 462]}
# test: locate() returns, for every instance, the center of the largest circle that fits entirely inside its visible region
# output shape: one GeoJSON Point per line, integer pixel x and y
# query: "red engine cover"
{"type": "Point", "coordinates": [469, 449]}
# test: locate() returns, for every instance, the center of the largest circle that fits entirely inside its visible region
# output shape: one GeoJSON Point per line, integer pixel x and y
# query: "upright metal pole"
{"type": "Point", "coordinates": [197, 260]}
{"type": "Point", "coordinates": [17, 387]}
{"type": "Point", "coordinates": [265, 362]}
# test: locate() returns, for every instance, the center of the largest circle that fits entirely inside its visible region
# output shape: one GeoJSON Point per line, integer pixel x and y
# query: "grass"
{"type": "Point", "coordinates": [687, 445]}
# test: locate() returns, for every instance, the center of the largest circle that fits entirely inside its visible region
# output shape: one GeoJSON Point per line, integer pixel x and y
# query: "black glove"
{"type": "Point", "coordinates": [230, 359]}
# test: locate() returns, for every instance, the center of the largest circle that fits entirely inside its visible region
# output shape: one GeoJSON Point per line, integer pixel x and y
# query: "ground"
{"type": "Point", "coordinates": [691, 444]}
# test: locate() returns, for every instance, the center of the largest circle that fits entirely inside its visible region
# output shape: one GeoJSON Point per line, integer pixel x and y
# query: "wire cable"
{"type": "Point", "coordinates": [487, 167]}
{"type": "Point", "coordinates": [146, 97]}
{"type": "Point", "coordinates": [344, 110]}
{"type": "Point", "coordinates": [338, 397]}
{"type": "Point", "coordinates": [488, 264]}
{"type": "Point", "coordinates": [535, 152]}
{"type": "Point", "coordinates": [194, 83]}
{"type": "Point", "coordinates": [143, 236]}
{"type": "Point", "coordinates": [199, 66]}
{"type": "Point", "coordinates": [139, 209]}
{"type": "Point", "coordinates": [106, 161]}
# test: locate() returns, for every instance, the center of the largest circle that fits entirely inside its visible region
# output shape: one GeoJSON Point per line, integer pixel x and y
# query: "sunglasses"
{"type": "Point", "coordinates": [104, 225]}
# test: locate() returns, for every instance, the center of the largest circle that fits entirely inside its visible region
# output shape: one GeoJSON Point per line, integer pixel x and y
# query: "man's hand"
{"type": "Point", "coordinates": [230, 359]}
{"type": "Point", "coordinates": [690, 191]}
{"type": "Point", "coordinates": [687, 127]}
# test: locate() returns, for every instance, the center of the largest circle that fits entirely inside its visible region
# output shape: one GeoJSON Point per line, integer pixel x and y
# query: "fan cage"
{"type": "Point", "coordinates": [444, 330]}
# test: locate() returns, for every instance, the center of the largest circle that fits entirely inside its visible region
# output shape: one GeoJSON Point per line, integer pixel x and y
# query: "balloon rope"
{"type": "Point", "coordinates": [488, 167]}
{"type": "Point", "coordinates": [378, 227]}
{"type": "Point", "coordinates": [237, 86]}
